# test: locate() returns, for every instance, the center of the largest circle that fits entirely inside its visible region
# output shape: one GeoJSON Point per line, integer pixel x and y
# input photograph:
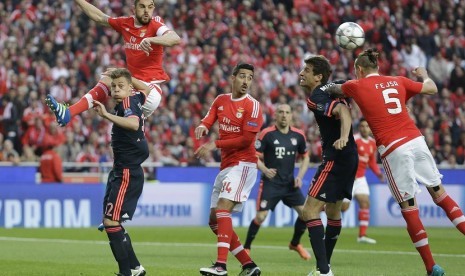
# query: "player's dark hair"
{"type": "Point", "coordinates": [137, 2]}
{"type": "Point", "coordinates": [368, 59]}
{"type": "Point", "coordinates": [121, 72]}
{"type": "Point", "coordinates": [240, 66]}
{"type": "Point", "coordinates": [321, 66]}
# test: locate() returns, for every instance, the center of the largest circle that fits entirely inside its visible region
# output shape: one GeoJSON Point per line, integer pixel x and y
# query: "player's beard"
{"type": "Point", "coordinates": [142, 20]}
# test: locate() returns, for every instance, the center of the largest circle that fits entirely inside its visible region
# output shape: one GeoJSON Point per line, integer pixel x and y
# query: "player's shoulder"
{"type": "Point", "coordinates": [250, 98]}
{"type": "Point", "coordinates": [266, 131]}
{"type": "Point", "coordinates": [298, 131]}
{"type": "Point", "coordinates": [124, 18]}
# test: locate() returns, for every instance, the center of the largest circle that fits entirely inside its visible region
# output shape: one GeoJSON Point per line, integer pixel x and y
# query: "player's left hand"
{"type": "Point", "coordinates": [297, 182]}
{"type": "Point", "coordinates": [340, 143]}
{"type": "Point", "coordinates": [100, 108]}
{"type": "Point", "coordinates": [146, 46]}
{"type": "Point", "coordinates": [204, 150]}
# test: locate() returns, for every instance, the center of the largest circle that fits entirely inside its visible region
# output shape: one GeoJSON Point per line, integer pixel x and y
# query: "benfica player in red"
{"type": "Point", "coordinates": [405, 156]}
{"type": "Point", "coordinates": [144, 38]}
{"type": "Point", "coordinates": [239, 118]}
{"type": "Point", "coordinates": [366, 148]}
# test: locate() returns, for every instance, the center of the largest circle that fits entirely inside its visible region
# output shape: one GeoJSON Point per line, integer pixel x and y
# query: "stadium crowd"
{"type": "Point", "coordinates": [51, 47]}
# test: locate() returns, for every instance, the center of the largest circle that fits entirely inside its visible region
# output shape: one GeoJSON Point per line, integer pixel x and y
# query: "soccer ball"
{"type": "Point", "coordinates": [350, 35]}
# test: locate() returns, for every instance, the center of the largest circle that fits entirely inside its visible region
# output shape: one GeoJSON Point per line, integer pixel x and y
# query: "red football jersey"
{"type": "Point", "coordinates": [366, 149]}
{"type": "Point", "coordinates": [143, 67]}
{"type": "Point", "coordinates": [235, 116]}
{"type": "Point", "coordinates": [382, 101]}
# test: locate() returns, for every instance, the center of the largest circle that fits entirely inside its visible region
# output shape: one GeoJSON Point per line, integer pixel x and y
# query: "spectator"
{"type": "Point", "coordinates": [50, 166]}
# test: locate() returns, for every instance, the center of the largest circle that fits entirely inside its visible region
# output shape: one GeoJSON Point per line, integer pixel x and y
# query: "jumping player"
{"type": "Point", "coordinates": [144, 38]}
{"type": "Point", "coordinates": [405, 156]}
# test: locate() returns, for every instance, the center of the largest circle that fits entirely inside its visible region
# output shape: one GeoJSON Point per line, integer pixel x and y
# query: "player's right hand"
{"type": "Point", "coordinates": [270, 173]}
{"type": "Point", "coordinates": [146, 45]}
{"type": "Point", "coordinates": [420, 72]}
{"type": "Point", "coordinates": [340, 143]}
{"type": "Point", "coordinates": [200, 131]}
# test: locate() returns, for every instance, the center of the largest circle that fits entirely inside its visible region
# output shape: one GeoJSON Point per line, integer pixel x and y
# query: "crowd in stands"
{"type": "Point", "coordinates": [50, 46]}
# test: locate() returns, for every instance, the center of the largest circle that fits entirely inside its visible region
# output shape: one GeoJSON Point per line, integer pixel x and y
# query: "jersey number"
{"type": "Point", "coordinates": [393, 100]}
{"type": "Point", "coordinates": [226, 187]}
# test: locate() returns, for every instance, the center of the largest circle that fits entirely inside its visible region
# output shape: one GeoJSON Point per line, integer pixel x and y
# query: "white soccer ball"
{"type": "Point", "coordinates": [350, 35]}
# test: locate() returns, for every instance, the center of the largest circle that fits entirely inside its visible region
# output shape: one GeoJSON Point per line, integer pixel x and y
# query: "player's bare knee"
{"type": "Point", "coordinates": [261, 216]}
{"type": "Point", "coordinates": [345, 206]}
{"type": "Point", "coordinates": [109, 222]}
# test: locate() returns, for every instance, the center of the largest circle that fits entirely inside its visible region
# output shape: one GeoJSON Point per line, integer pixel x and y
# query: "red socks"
{"type": "Point", "coordinates": [100, 93]}
{"type": "Point", "coordinates": [363, 220]}
{"type": "Point", "coordinates": [235, 246]}
{"type": "Point", "coordinates": [418, 236]}
{"type": "Point", "coordinates": [453, 211]}
{"type": "Point", "coordinates": [224, 234]}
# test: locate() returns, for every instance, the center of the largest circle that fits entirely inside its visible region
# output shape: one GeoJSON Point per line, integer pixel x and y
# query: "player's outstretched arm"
{"type": "Point", "coordinates": [93, 12]}
{"type": "Point", "coordinates": [429, 87]}
{"type": "Point", "coordinates": [336, 91]}
{"type": "Point", "coordinates": [168, 39]}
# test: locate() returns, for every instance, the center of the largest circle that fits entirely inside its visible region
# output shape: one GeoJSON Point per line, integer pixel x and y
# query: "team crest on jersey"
{"type": "Point", "coordinates": [294, 141]}
{"type": "Point", "coordinates": [258, 144]}
{"type": "Point", "coordinates": [320, 107]}
{"type": "Point", "coordinates": [239, 112]}
{"type": "Point", "coordinates": [142, 32]}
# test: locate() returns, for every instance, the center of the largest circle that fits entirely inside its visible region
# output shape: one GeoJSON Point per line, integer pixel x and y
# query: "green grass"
{"type": "Point", "coordinates": [182, 251]}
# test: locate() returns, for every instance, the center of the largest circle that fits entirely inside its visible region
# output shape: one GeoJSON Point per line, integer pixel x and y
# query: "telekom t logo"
{"type": "Point", "coordinates": [280, 152]}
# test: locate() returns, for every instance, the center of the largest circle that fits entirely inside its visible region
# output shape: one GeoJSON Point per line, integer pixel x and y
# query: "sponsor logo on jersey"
{"type": "Point", "coordinates": [239, 112]}
{"type": "Point", "coordinates": [132, 45]}
{"type": "Point", "coordinates": [323, 195]}
{"type": "Point", "coordinates": [229, 128]}
{"type": "Point", "coordinates": [220, 108]}
{"type": "Point", "coordinates": [127, 112]}
{"type": "Point", "coordinates": [254, 124]}
{"type": "Point", "coordinates": [294, 141]}
{"type": "Point", "coordinates": [125, 216]}
{"type": "Point", "coordinates": [276, 142]}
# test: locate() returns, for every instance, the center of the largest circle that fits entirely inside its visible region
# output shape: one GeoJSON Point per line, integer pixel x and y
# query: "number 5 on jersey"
{"type": "Point", "coordinates": [396, 101]}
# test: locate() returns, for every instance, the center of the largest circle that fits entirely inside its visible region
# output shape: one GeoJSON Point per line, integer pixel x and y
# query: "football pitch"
{"type": "Point", "coordinates": [183, 250]}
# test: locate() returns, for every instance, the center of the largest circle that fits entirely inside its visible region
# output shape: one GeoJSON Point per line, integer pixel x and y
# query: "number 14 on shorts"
{"type": "Point", "coordinates": [226, 187]}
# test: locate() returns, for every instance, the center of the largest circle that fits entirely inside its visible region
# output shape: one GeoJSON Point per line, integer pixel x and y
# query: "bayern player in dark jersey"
{"type": "Point", "coordinates": [334, 178]}
{"type": "Point", "coordinates": [126, 179]}
{"type": "Point", "coordinates": [278, 147]}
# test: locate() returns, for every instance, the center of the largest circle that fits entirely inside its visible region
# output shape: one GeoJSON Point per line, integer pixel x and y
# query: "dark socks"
{"type": "Point", "coordinates": [333, 229]}
{"type": "Point", "coordinates": [119, 248]}
{"type": "Point", "coordinates": [251, 233]}
{"type": "Point", "coordinates": [317, 240]}
{"type": "Point", "coordinates": [299, 230]}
